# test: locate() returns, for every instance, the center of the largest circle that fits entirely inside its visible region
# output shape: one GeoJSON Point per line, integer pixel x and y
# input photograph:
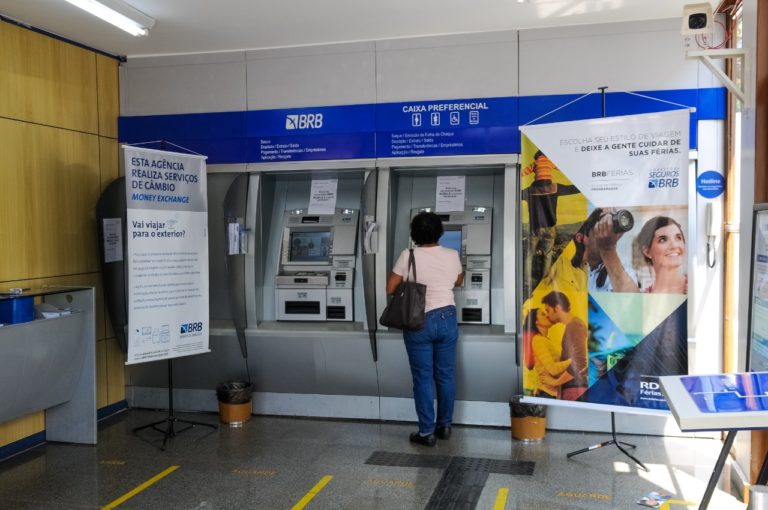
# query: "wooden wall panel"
{"type": "Point", "coordinates": [21, 427]}
{"type": "Point", "coordinates": [760, 438]}
{"type": "Point", "coordinates": [55, 99]}
{"type": "Point", "coordinates": [115, 372]}
{"type": "Point", "coordinates": [49, 185]}
{"type": "Point", "coordinates": [47, 81]}
{"type": "Point", "coordinates": [102, 376]}
{"type": "Point", "coordinates": [109, 154]}
{"type": "Point", "coordinates": [108, 95]}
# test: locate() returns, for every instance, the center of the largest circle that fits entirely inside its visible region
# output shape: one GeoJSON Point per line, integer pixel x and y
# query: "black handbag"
{"type": "Point", "coordinates": [406, 308]}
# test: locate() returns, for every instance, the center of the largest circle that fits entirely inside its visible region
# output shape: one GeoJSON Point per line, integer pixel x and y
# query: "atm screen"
{"type": "Point", "coordinates": [451, 239]}
{"type": "Point", "coordinates": [310, 246]}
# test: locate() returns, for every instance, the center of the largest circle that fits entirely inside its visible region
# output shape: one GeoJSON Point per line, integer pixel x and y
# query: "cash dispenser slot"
{"type": "Point", "coordinates": [472, 315]}
{"type": "Point", "coordinates": [302, 308]}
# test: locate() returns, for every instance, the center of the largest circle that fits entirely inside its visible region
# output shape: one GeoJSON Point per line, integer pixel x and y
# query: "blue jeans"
{"type": "Point", "coordinates": [432, 356]}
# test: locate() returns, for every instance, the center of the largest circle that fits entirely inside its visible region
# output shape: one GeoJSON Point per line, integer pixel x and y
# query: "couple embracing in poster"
{"type": "Point", "coordinates": [605, 265]}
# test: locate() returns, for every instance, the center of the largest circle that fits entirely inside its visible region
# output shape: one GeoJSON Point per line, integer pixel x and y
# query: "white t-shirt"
{"type": "Point", "coordinates": [437, 268]}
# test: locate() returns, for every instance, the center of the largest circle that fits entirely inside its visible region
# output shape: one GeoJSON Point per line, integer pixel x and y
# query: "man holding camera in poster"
{"type": "Point", "coordinates": [596, 246]}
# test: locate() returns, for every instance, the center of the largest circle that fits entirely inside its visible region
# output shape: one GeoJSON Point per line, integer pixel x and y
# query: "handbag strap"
{"type": "Point", "coordinates": [411, 265]}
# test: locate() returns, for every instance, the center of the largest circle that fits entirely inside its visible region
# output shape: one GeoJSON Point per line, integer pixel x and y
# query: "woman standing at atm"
{"type": "Point", "coordinates": [432, 349]}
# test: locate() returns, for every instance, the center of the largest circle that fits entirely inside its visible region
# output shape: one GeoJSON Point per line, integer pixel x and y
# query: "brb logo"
{"type": "Point", "coordinates": [192, 327]}
{"type": "Point", "coordinates": [304, 121]}
{"type": "Point", "coordinates": [663, 183]}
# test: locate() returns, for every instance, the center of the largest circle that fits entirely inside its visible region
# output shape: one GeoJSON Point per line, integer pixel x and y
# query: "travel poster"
{"type": "Point", "coordinates": [605, 258]}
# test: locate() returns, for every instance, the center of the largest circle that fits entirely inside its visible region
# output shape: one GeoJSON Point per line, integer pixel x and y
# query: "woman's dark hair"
{"type": "Point", "coordinates": [426, 228]}
{"type": "Point", "coordinates": [645, 237]}
{"type": "Point", "coordinates": [529, 324]}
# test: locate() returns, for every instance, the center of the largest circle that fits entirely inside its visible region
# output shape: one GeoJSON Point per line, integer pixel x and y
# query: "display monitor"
{"type": "Point", "coordinates": [451, 239]}
{"type": "Point", "coordinates": [310, 246]}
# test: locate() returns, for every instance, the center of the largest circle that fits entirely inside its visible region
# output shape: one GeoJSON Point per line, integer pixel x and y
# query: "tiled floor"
{"type": "Point", "coordinates": [280, 463]}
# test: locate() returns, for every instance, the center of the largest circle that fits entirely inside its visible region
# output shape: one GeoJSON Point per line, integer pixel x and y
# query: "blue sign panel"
{"type": "Point", "coordinates": [219, 135]}
{"type": "Point", "coordinates": [308, 134]}
{"type": "Point", "coordinates": [279, 149]}
{"type": "Point", "coordinates": [447, 128]}
{"type": "Point", "coordinates": [709, 104]}
{"type": "Point", "coordinates": [454, 127]}
{"type": "Point", "coordinates": [710, 184]}
{"type": "Point", "coordinates": [728, 393]}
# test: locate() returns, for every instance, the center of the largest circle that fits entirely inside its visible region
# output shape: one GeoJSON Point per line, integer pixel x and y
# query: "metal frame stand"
{"type": "Point", "coordinates": [170, 421]}
{"type": "Point", "coordinates": [613, 441]}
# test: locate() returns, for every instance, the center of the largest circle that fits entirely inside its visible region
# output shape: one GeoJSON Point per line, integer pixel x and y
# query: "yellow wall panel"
{"type": "Point", "coordinates": [51, 178]}
{"type": "Point", "coordinates": [21, 427]}
{"type": "Point", "coordinates": [101, 374]}
{"type": "Point", "coordinates": [49, 185]}
{"type": "Point", "coordinates": [115, 371]}
{"type": "Point", "coordinates": [47, 81]}
{"type": "Point", "coordinates": [109, 160]}
{"type": "Point", "coordinates": [108, 95]}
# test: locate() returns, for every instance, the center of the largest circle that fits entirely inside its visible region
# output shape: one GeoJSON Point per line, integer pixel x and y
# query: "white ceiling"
{"type": "Point", "coordinates": [196, 26]}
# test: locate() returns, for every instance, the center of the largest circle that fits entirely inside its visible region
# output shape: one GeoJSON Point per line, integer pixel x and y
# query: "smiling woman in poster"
{"type": "Point", "coordinates": [662, 243]}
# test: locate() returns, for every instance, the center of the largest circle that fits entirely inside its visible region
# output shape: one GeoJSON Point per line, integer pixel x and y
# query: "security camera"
{"type": "Point", "coordinates": [697, 19]}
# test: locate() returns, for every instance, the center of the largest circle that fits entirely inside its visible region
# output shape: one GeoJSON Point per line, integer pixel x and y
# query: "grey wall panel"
{"type": "Point", "coordinates": [447, 67]}
{"type": "Point", "coordinates": [203, 371]}
{"type": "Point", "coordinates": [185, 84]}
{"type": "Point", "coordinates": [485, 367]}
{"type": "Point", "coordinates": [339, 364]}
{"type": "Point", "coordinates": [319, 364]}
{"type": "Point", "coordinates": [340, 74]}
{"type": "Point", "coordinates": [643, 55]}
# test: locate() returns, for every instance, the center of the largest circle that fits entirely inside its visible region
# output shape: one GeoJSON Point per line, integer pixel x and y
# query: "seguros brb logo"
{"type": "Point", "coordinates": [304, 121]}
{"type": "Point", "coordinates": [191, 327]}
{"type": "Point", "coordinates": [663, 183]}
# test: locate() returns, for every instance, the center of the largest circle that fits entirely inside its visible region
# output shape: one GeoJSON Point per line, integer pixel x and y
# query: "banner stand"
{"type": "Point", "coordinates": [613, 440]}
{"type": "Point", "coordinates": [166, 204]}
{"type": "Point", "coordinates": [171, 420]}
{"type": "Point", "coordinates": [545, 189]}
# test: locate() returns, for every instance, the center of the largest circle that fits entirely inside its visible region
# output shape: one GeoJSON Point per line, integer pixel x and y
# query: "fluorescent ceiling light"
{"type": "Point", "coordinates": [137, 24]}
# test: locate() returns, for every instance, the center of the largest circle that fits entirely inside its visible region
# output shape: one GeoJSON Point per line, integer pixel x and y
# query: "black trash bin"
{"type": "Point", "coordinates": [234, 402]}
{"type": "Point", "coordinates": [529, 421]}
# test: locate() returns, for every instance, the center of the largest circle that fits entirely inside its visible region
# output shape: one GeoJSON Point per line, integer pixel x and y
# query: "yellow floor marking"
{"type": "Point", "coordinates": [312, 492]}
{"type": "Point", "coordinates": [254, 472]}
{"type": "Point", "coordinates": [128, 495]}
{"type": "Point", "coordinates": [501, 499]}
{"type": "Point", "coordinates": [667, 505]}
{"type": "Point", "coordinates": [408, 484]}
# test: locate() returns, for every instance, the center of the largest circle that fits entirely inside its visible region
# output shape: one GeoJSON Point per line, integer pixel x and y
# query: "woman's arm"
{"type": "Point", "coordinates": [459, 280]}
{"type": "Point", "coordinates": [393, 280]}
{"type": "Point", "coordinates": [544, 356]}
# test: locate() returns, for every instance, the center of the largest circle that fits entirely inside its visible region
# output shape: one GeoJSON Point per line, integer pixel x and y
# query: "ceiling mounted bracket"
{"type": "Point", "coordinates": [741, 91]}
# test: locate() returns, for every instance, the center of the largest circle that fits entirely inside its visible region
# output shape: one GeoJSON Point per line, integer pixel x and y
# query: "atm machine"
{"type": "Point", "coordinates": [469, 233]}
{"type": "Point", "coordinates": [316, 268]}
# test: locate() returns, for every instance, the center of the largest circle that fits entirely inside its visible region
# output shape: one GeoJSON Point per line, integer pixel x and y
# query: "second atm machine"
{"type": "Point", "coordinates": [316, 268]}
{"type": "Point", "coordinates": [469, 233]}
